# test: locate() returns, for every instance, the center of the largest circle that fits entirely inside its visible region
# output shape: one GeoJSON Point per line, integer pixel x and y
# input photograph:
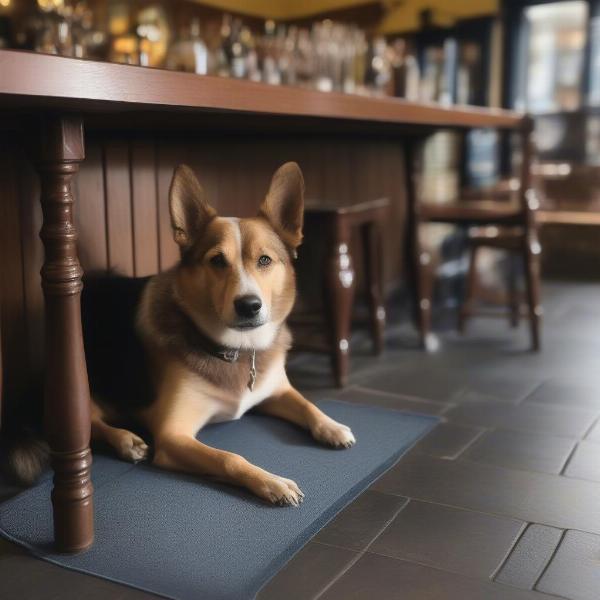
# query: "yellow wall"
{"type": "Point", "coordinates": [402, 15]}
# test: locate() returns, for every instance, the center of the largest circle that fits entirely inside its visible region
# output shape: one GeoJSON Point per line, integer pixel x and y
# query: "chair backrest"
{"type": "Point", "coordinates": [527, 195]}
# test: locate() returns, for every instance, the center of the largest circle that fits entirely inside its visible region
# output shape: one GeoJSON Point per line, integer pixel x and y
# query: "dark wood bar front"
{"type": "Point", "coordinates": [134, 125]}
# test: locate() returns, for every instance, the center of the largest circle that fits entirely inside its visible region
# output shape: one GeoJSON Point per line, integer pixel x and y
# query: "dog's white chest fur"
{"type": "Point", "coordinates": [267, 384]}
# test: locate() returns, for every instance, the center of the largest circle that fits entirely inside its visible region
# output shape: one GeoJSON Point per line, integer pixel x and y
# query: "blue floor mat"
{"type": "Point", "coordinates": [187, 538]}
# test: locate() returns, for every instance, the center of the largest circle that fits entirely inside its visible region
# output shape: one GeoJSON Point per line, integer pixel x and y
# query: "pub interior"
{"type": "Point", "coordinates": [447, 304]}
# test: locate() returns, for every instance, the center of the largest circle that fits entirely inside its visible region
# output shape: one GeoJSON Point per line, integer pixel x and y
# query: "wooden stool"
{"type": "Point", "coordinates": [333, 226]}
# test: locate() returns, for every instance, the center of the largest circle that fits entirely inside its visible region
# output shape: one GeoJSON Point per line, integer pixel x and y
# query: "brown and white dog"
{"type": "Point", "coordinates": [215, 341]}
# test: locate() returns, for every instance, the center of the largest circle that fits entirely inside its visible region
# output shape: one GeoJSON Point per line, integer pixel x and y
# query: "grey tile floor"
{"type": "Point", "coordinates": [500, 501]}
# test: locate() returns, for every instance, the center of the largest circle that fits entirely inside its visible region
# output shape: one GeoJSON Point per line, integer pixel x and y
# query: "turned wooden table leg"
{"type": "Point", "coordinates": [60, 149]}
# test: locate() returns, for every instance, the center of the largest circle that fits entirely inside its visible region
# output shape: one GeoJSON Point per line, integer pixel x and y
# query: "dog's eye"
{"type": "Point", "coordinates": [264, 261]}
{"type": "Point", "coordinates": [219, 261]}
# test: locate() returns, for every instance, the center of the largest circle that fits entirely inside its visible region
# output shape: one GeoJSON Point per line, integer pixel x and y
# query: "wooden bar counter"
{"type": "Point", "coordinates": [87, 150]}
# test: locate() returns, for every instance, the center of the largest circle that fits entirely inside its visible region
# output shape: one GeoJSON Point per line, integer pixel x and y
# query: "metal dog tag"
{"type": "Point", "coordinates": [252, 371]}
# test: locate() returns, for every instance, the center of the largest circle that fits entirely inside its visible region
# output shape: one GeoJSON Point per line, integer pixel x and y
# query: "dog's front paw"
{"type": "Point", "coordinates": [278, 490]}
{"type": "Point", "coordinates": [332, 433]}
{"type": "Point", "coordinates": [129, 446]}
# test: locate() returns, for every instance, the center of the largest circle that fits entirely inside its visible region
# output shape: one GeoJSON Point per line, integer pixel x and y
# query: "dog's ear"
{"type": "Point", "coordinates": [284, 205]}
{"type": "Point", "coordinates": [190, 212]}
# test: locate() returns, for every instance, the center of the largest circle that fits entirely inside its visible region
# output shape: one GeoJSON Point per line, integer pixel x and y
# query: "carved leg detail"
{"type": "Point", "coordinates": [425, 283]}
{"type": "Point", "coordinates": [532, 267]}
{"type": "Point", "coordinates": [340, 291]}
{"type": "Point", "coordinates": [67, 403]}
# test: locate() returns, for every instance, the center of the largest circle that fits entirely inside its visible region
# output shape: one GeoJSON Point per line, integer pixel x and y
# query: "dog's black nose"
{"type": "Point", "coordinates": [247, 306]}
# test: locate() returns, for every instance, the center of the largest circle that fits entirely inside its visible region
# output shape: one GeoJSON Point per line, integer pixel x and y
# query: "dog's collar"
{"type": "Point", "coordinates": [197, 338]}
{"type": "Point", "coordinates": [224, 353]}
{"type": "Point", "coordinates": [228, 355]}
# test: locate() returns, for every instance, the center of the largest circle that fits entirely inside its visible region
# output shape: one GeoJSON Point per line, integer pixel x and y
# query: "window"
{"type": "Point", "coordinates": [554, 36]}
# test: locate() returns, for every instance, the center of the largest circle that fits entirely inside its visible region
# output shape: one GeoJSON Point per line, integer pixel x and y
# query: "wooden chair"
{"type": "Point", "coordinates": [504, 238]}
{"type": "Point", "coordinates": [333, 226]}
{"type": "Point", "coordinates": [515, 213]}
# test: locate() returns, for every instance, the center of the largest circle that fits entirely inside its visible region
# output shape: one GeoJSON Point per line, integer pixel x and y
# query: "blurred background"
{"type": "Point", "coordinates": [536, 56]}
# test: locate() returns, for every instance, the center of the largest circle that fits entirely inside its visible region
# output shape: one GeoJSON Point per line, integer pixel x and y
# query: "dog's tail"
{"type": "Point", "coordinates": [24, 456]}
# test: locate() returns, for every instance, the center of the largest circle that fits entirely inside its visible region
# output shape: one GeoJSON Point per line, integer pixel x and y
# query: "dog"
{"type": "Point", "coordinates": [210, 340]}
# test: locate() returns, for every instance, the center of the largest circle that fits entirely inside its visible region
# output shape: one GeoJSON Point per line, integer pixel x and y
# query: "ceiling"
{"type": "Point", "coordinates": [399, 15]}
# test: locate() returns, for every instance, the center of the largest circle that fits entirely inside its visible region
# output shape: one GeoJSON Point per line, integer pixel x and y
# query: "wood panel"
{"type": "Point", "coordinates": [122, 216]}
{"type": "Point", "coordinates": [12, 322]}
{"type": "Point", "coordinates": [90, 210]}
{"type": "Point", "coordinates": [168, 158]}
{"type": "Point", "coordinates": [119, 229]}
{"type": "Point", "coordinates": [33, 256]}
{"type": "Point", "coordinates": [144, 207]}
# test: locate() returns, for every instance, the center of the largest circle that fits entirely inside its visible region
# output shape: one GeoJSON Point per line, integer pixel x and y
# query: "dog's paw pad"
{"type": "Point", "coordinates": [334, 434]}
{"type": "Point", "coordinates": [131, 447]}
{"type": "Point", "coordinates": [281, 491]}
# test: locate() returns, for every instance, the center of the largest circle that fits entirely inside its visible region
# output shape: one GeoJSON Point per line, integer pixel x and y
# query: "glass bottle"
{"type": "Point", "coordinates": [189, 52]}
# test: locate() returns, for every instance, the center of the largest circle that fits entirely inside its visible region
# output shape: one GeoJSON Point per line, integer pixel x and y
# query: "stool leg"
{"type": "Point", "coordinates": [340, 297]}
{"type": "Point", "coordinates": [513, 292]}
{"type": "Point", "coordinates": [373, 257]}
{"type": "Point", "coordinates": [532, 268]}
{"type": "Point", "coordinates": [531, 244]}
{"type": "Point", "coordinates": [470, 292]}
{"type": "Point", "coordinates": [426, 275]}
{"type": "Point", "coordinates": [425, 279]}
{"type": "Point", "coordinates": [419, 270]}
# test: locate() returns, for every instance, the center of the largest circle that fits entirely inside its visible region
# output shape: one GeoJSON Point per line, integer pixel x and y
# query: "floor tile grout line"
{"type": "Point", "coordinates": [363, 551]}
{"type": "Point", "coordinates": [569, 459]}
{"type": "Point", "coordinates": [532, 392]}
{"type": "Point", "coordinates": [399, 396]}
{"type": "Point", "coordinates": [337, 577]}
{"type": "Point", "coordinates": [366, 551]}
{"type": "Point", "coordinates": [516, 469]}
{"type": "Point", "coordinates": [503, 427]}
{"type": "Point", "coordinates": [447, 407]}
{"type": "Point", "coordinates": [591, 428]}
{"type": "Point", "coordinates": [480, 512]}
{"type": "Point", "coordinates": [438, 568]}
{"type": "Point", "coordinates": [579, 478]}
{"type": "Point", "coordinates": [387, 523]}
{"type": "Point", "coordinates": [499, 584]}
{"type": "Point", "coordinates": [460, 458]}
{"type": "Point", "coordinates": [550, 559]}
{"type": "Point", "coordinates": [595, 410]}
{"type": "Point", "coordinates": [491, 513]}
{"type": "Point", "coordinates": [480, 434]}
{"type": "Point", "coordinates": [510, 550]}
